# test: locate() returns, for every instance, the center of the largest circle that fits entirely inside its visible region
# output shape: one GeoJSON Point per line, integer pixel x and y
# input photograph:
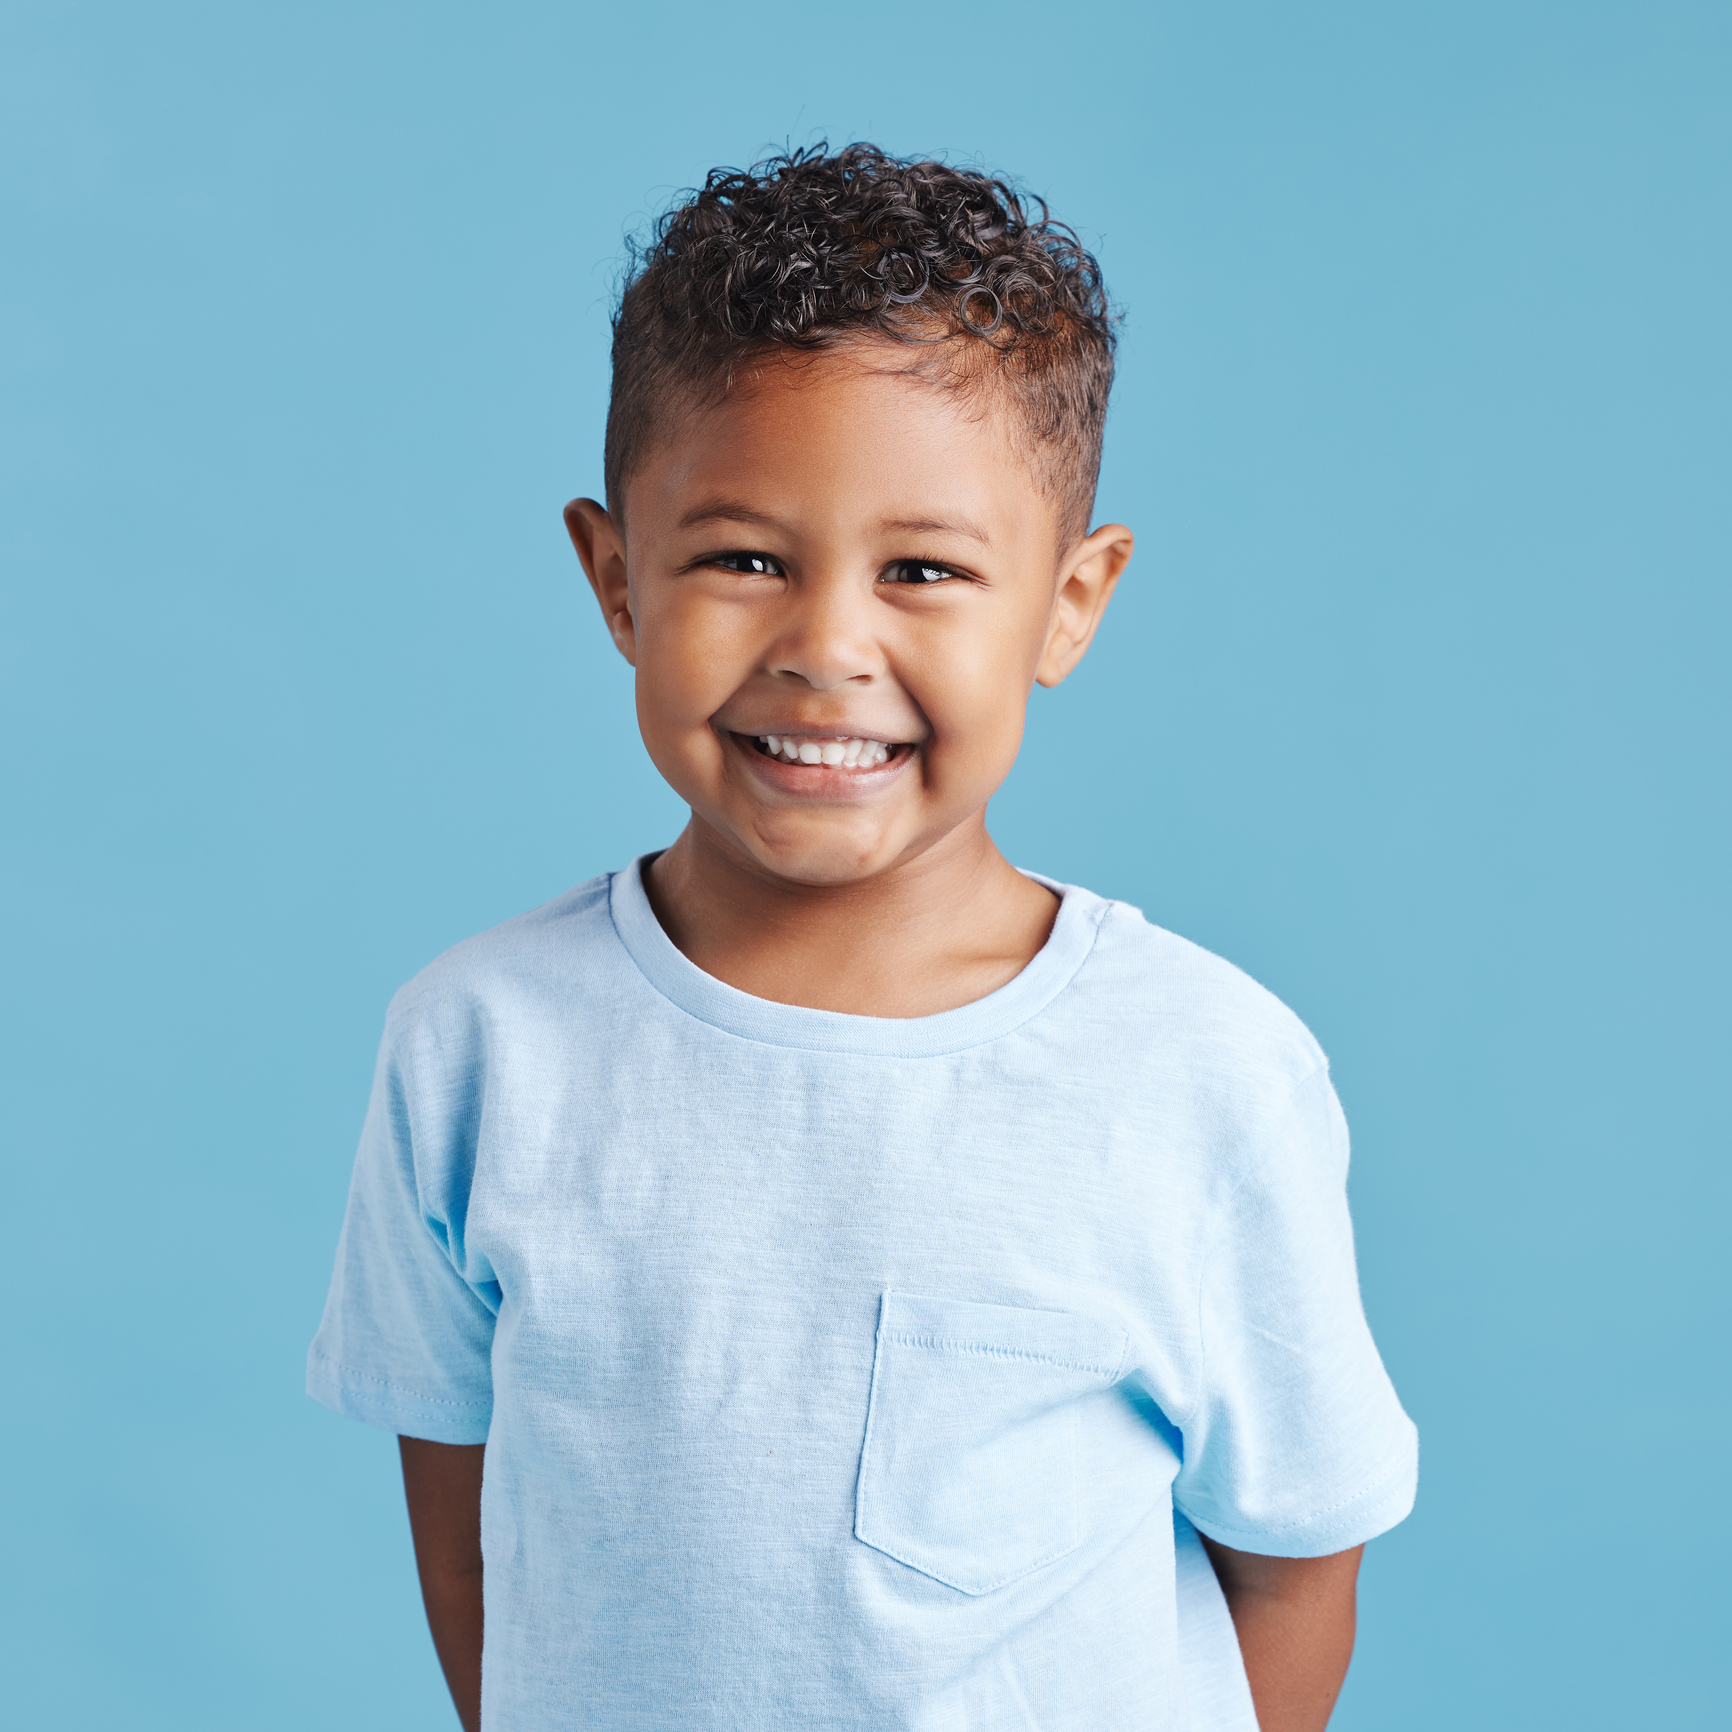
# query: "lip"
{"type": "Point", "coordinates": [820, 781]}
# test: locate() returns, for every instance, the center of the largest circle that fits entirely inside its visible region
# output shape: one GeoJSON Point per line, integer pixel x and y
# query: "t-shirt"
{"type": "Point", "coordinates": [855, 1372]}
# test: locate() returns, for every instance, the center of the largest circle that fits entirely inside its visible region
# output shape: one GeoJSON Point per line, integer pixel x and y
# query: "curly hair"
{"type": "Point", "coordinates": [811, 250]}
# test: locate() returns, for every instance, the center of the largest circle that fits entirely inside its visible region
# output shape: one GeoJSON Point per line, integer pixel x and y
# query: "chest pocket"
{"type": "Point", "coordinates": [969, 1472]}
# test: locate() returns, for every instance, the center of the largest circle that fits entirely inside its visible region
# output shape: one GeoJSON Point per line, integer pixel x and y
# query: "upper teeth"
{"type": "Point", "coordinates": [801, 749]}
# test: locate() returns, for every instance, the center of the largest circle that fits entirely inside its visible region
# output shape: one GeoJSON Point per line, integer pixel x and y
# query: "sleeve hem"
{"type": "Point", "coordinates": [373, 1401]}
{"type": "Point", "coordinates": [1338, 1529]}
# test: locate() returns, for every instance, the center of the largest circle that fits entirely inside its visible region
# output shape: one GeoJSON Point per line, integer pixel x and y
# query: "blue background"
{"type": "Point", "coordinates": [1413, 704]}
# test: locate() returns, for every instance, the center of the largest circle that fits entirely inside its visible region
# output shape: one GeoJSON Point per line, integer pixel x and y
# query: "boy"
{"type": "Point", "coordinates": [864, 1269]}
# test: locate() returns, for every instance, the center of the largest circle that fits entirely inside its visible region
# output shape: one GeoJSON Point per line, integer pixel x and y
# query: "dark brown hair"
{"type": "Point", "coordinates": [811, 250]}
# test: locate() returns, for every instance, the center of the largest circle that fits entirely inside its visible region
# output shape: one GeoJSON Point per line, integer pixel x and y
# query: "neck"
{"type": "Point", "coordinates": [945, 928]}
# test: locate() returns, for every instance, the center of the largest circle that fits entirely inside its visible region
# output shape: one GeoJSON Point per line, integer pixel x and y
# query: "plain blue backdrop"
{"type": "Point", "coordinates": [1413, 704]}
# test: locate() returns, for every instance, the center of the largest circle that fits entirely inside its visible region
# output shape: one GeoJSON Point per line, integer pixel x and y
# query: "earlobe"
{"type": "Point", "coordinates": [601, 550]}
{"type": "Point", "coordinates": [1084, 590]}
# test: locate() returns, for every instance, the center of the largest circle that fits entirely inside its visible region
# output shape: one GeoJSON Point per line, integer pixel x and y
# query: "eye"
{"type": "Point", "coordinates": [919, 571]}
{"type": "Point", "coordinates": [746, 564]}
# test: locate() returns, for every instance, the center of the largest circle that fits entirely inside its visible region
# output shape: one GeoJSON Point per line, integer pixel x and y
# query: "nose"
{"type": "Point", "coordinates": [825, 637]}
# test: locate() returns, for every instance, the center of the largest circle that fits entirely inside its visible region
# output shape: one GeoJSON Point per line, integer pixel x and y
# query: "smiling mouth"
{"type": "Point", "coordinates": [821, 751]}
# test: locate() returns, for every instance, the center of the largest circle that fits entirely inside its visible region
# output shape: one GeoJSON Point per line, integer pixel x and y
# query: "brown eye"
{"type": "Point", "coordinates": [747, 564]}
{"type": "Point", "coordinates": [918, 571]}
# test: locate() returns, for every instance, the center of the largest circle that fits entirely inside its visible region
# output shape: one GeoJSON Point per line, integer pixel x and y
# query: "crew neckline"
{"type": "Point", "coordinates": [1048, 972]}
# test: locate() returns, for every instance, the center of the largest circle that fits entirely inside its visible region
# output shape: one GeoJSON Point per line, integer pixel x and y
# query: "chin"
{"type": "Point", "coordinates": [825, 861]}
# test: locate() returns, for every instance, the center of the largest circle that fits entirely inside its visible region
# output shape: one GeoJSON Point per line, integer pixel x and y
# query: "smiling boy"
{"type": "Point", "coordinates": [823, 1276]}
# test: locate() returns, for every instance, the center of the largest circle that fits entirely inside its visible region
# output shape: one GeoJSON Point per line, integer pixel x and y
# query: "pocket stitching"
{"type": "Point", "coordinates": [939, 1343]}
{"type": "Point", "coordinates": [944, 1344]}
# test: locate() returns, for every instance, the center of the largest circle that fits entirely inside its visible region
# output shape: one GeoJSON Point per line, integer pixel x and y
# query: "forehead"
{"type": "Point", "coordinates": [852, 437]}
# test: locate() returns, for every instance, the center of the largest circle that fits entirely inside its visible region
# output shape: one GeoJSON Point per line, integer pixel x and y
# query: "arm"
{"type": "Point", "coordinates": [443, 1484]}
{"type": "Point", "coordinates": [1294, 1618]}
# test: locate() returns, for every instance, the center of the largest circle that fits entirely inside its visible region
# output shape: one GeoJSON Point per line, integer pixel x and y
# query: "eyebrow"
{"type": "Point", "coordinates": [722, 510]}
{"type": "Point", "coordinates": [937, 526]}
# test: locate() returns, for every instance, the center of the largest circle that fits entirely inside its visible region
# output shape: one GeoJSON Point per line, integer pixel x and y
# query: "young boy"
{"type": "Point", "coordinates": [864, 1269]}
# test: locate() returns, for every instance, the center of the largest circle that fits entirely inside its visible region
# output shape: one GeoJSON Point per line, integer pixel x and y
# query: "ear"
{"type": "Point", "coordinates": [1085, 587]}
{"type": "Point", "coordinates": [601, 547]}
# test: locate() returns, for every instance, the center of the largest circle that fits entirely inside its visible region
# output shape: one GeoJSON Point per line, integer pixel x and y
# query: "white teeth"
{"type": "Point", "coordinates": [850, 753]}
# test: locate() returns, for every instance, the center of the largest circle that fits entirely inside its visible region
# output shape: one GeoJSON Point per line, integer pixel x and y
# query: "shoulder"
{"type": "Point", "coordinates": [1171, 1002]}
{"type": "Point", "coordinates": [549, 956]}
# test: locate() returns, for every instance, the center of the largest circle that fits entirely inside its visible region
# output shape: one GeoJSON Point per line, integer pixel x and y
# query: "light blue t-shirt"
{"type": "Point", "coordinates": [849, 1372]}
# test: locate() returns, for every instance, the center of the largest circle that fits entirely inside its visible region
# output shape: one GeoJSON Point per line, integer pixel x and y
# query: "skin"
{"type": "Point", "coordinates": [839, 548]}
{"type": "Point", "coordinates": [1294, 1618]}
{"type": "Point", "coordinates": [879, 894]}
{"type": "Point", "coordinates": [442, 1482]}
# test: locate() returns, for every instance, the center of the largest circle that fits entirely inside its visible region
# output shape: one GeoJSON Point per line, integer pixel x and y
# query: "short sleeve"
{"type": "Point", "coordinates": [1297, 1445]}
{"type": "Point", "coordinates": [406, 1341]}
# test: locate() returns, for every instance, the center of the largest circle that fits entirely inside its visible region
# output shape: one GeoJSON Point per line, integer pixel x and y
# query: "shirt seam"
{"type": "Point", "coordinates": [395, 1388]}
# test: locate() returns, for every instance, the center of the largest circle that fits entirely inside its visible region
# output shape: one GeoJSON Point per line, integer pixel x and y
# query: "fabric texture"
{"type": "Point", "coordinates": [863, 1373]}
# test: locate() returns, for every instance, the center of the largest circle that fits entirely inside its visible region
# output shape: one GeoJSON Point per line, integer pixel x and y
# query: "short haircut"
{"type": "Point", "coordinates": [814, 251]}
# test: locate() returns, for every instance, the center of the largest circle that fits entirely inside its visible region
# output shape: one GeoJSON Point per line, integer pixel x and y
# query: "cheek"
{"type": "Point", "coordinates": [973, 689]}
{"type": "Point", "coordinates": [687, 667]}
